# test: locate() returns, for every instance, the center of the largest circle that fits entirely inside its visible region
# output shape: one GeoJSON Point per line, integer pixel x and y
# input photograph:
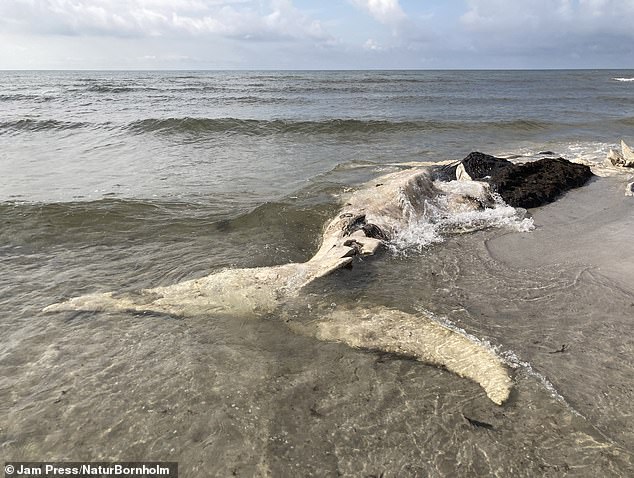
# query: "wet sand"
{"type": "Point", "coordinates": [593, 226]}
{"type": "Point", "coordinates": [587, 234]}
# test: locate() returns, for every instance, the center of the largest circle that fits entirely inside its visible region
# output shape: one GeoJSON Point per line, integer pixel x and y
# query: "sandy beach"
{"type": "Point", "coordinates": [587, 235]}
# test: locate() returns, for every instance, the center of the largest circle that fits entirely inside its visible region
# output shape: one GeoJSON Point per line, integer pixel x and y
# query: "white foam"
{"type": "Point", "coordinates": [623, 79]}
{"type": "Point", "coordinates": [453, 213]}
{"type": "Point", "coordinates": [587, 152]}
{"type": "Point", "coordinates": [590, 153]}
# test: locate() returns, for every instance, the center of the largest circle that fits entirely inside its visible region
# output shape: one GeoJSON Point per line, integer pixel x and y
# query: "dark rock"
{"type": "Point", "coordinates": [479, 165]}
{"type": "Point", "coordinates": [546, 153]}
{"type": "Point", "coordinates": [521, 185]}
{"type": "Point", "coordinates": [537, 183]}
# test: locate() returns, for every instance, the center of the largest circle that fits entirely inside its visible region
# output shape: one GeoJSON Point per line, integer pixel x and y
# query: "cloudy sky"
{"type": "Point", "coordinates": [313, 34]}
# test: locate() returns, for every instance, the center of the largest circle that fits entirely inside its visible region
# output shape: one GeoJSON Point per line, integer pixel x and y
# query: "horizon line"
{"type": "Point", "coordinates": [311, 69]}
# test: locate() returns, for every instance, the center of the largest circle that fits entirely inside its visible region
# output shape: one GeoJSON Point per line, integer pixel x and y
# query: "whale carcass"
{"type": "Point", "coordinates": [375, 215]}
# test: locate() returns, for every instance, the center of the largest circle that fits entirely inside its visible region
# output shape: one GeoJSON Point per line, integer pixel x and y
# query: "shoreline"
{"type": "Point", "coordinates": [590, 225]}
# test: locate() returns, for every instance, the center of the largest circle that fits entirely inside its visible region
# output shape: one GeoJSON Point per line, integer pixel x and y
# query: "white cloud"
{"type": "Point", "coordinates": [584, 33]}
{"type": "Point", "coordinates": [547, 16]}
{"type": "Point", "coordinates": [246, 19]}
{"type": "Point", "coordinates": [279, 34]}
{"type": "Point", "coordinates": [388, 12]}
{"type": "Point", "coordinates": [372, 45]}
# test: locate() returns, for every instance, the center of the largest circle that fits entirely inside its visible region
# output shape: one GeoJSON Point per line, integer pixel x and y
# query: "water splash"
{"type": "Point", "coordinates": [462, 207]}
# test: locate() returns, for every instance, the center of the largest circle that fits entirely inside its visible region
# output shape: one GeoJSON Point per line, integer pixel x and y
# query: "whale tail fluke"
{"type": "Point", "coordinates": [417, 336]}
{"type": "Point", "coordinates": [248, 292]}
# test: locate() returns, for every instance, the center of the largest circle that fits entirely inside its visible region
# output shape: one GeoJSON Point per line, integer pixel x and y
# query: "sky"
{"type": "Point", "coordinates": [313, 34]}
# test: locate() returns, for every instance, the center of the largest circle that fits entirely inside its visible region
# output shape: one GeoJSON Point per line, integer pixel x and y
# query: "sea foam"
{"type": "Point", "coordinates": [450, 213]}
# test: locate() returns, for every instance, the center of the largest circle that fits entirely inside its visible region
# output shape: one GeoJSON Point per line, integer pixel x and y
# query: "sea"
{"type": "Point", "coordinates": [126, 180]}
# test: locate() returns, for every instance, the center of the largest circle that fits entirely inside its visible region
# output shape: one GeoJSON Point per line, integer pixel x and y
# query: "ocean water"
{"type": "Point", "coordinates": [119, 181]}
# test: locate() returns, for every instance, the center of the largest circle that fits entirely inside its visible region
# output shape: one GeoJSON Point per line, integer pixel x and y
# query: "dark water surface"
{"type": "Point", "coordinates": [127, 180]}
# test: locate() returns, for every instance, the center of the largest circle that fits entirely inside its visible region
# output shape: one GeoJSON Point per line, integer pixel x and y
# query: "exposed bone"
{"type": "Point", "coordinates": [461, 173]}
{"type": "Point", "coordinates": [623, 158]}
{"type": "Point", "coordinates": [627, 152]}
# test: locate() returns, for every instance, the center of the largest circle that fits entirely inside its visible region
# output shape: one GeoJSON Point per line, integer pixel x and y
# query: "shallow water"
{"type": "Point", "coordinates": [122, 181]}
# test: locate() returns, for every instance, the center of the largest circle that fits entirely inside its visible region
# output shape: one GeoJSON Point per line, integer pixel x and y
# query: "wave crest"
{"type": "Point", "coordinates": [39, 125]}
{"type": "Point", "coordinates": [327, 126]}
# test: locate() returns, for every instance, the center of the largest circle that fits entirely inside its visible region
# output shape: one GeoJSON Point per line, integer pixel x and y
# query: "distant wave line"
{"type": "Point", "coordinates": [327, 126]}
{"type": "Point", "coordinates": [262, 127]}
{"type": "Point", "coordinates": [40, 125]}
{"type": "Point", "coordinates": [119, 89]}
{"type": "Point", "coordinates": [25, 97]}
